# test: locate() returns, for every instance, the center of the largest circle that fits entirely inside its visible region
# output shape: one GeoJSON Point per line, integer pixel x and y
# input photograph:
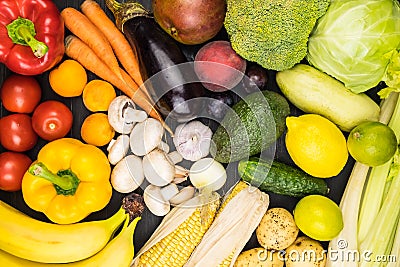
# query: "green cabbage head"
{"type": "Point", "coordinates": [356, 42]}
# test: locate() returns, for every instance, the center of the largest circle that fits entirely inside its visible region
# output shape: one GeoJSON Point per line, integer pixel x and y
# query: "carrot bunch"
{"type": "Point", "coordinates": [100, 47]}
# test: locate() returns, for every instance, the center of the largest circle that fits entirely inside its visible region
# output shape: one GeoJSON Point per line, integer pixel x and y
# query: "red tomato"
{"type": "Point", "coordinates": [20, 93]}
{"type": "Point", "coordinates": [16, 132]}
{"type": "Point", "coordinates": [13, 166]}
{"type": "Point", "coordinates": [52, 120]}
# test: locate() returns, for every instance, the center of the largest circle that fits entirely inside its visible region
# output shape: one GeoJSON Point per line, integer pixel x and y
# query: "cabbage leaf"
{"type": "Point", "coordinates": [357, 42]}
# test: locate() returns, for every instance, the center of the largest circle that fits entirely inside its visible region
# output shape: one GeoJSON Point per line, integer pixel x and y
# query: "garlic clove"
{"type": "Point", "coordinates": [175, 157]}
{"type": "Point", "coordinates": [169, 191]}
{"type": "Point", "coordinates": [184, 194]}
{"type": "Point", "coordinates": [192, 140]}
{"type": "Point", "coordinates": [164, 147]}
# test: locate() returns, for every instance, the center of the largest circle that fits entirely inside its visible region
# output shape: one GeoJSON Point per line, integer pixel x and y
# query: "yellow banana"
{"type": "Point", "coordinates": [117, 253]}
{"type": "Point", "coordinates": [39, 241]}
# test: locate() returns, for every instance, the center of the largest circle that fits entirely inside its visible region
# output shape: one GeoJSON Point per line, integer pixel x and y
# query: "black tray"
{"type": "Point", "coordinates": [149, 222]}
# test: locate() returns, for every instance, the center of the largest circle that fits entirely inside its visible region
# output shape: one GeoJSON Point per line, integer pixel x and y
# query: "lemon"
{"type": "Point", "coordinates": [372, 143]}
{"type": "Point", "coordinates": [316, 145]}
{"type": "Point", "coordinates": [318, 217]}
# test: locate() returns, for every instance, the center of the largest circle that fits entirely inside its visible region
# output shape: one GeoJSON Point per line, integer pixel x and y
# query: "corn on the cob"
{"type": "Point", "coordinates": [239, 216]}
{"type": "Point", "coordinates": [178, 234]}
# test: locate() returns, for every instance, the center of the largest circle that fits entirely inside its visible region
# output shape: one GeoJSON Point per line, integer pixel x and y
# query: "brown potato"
{"type": "Point", "coordinates": [259, 257]}
{"type": "Point", "coordinates": [277, 229]}
{"type": "Point", "coordinates": [305, 252]}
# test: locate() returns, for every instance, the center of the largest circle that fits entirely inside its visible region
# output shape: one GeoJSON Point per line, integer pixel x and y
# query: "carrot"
{"type": "Point", "coordinates": [85, 30]}
{"type": "Point", "coordinates": [122, 49]}
{"type": "Point", "coordinates": [81, 52]}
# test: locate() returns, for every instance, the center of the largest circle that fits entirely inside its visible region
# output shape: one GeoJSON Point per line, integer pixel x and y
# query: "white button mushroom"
{"type": "Point", "coordinates": [122, 114]}
{"type": "Point", "coordinates": [146, 136]}
{"type": "Point", "coordinates": [155, 202]}
{"type": "Point", "coordinates": [159, 169]}
{"type": "Point", "coordinates": [128, 174]}
{"type": "Point", "coordinates": [118, 148]}
{"type": "Point", "coordinates": [192, 140]}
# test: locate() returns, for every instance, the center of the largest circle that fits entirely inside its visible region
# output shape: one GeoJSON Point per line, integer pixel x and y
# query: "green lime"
{"type": "Point", "coordinates": [372, 143]}
{"type": "Point", "coordinates": [318, 217]}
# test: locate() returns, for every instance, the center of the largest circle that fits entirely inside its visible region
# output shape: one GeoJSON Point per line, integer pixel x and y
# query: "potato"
{"type": "Point", "coordinates": [305, 252]}
{"type": "Point", "coordinates": [259, 257]}
{"type": "Point", "coordinates": [277, 229]}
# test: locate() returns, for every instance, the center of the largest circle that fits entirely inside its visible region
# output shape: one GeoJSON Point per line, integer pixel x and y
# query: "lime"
{"type": "Point", "coordinates": [372, 143]}
{"type": "Point", "coordinates": [316, 145]}
{"type": "Point", "coordinates": [318, 217]}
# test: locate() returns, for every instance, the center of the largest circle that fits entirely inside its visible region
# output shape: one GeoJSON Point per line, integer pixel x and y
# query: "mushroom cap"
{"type": "Point", "coordinates": [118, 149]}
{"type": "Point", "coordinates": [154, 201]}
{"type": "Point", "coordinates": [146, 136]}
{"type": "Point", "coordinates": [157, 167]}
{"type": "Point", "coordinates": [115, 114]}
{"type": "Point", "coordinates": [128, 174]}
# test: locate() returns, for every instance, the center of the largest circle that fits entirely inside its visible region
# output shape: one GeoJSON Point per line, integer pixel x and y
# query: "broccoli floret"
{"type": "Point", "coordinates": [273, 33]}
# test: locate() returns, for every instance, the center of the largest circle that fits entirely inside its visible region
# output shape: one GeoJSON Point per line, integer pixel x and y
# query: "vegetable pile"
{"type": "Point", "coordinates": [250, 134]}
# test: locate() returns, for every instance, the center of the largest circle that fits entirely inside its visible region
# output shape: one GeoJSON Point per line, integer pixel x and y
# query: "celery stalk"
{"type": "Point", "coordinates": [378, 240]}
{"type": "Point", "coordinates": [351, 200]}
{"type": "Point", "coordinates": [372, 200]}
{"type": "Point", "coordinates": [377, 183]}
{"type": "Point", "coordinates": [349, 205]}
{"type": "Point", "coordinates": [395, 252]}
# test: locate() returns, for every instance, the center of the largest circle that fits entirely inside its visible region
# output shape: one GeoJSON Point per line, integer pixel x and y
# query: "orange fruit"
{"type": "Point", "coordinates": [68, 79]}
{"type": "Point", "coordinates": [96, 130]}
{"type": "Point", "coordinates": [97, 95]}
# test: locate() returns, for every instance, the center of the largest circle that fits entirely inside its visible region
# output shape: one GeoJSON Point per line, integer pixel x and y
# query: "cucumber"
{"type": "Point", "coordinates": [313, 91]}
{"type": "Point", "coordinates": [280, 178]}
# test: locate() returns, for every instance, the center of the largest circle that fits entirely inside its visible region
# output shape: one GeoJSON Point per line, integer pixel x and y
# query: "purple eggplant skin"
{"type": "Point", "coordinates": [218, 103]}
{"type": "Point", "coordinates": [175, 89]}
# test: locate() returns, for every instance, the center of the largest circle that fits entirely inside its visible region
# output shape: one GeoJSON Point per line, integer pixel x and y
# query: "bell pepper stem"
{"type": "Point", "coordinates": [22, 31]}
{"type": "Point", "coordinates": [66, 182]}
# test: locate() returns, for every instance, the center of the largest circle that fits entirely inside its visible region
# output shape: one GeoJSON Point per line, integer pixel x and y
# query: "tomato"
{"type": "Point", "coordinates": [20, 93]}
{"type": "Point", "coordinates": [52, 120]}
{"type": "Point", "coordinates": [13, 166]}
{"type": "Point", "coordinates": [16, 132]}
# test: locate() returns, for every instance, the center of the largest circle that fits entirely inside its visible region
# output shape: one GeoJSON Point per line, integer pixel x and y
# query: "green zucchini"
{"type": "Point", "coordinates": [280, 178]}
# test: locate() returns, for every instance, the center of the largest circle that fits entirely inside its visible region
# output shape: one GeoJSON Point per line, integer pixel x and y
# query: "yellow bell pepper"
{"type": "Point", "coordinates": [68, 181]}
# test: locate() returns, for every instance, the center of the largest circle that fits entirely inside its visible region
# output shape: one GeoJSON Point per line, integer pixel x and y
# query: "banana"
{"type": "Point", "coordinates": [118, 252]}
{"type": "Point", "coordinates": [34, 240]}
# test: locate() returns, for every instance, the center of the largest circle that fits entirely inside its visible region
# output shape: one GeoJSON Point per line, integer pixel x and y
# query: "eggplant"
{"type": "Point", "coordinates": [169, 76]}
{"type": "Point", "coordinates": [218, 103]}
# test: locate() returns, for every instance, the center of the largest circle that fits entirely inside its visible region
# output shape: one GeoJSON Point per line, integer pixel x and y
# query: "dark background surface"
{"type": "Point", "coordinates": [149, 222]}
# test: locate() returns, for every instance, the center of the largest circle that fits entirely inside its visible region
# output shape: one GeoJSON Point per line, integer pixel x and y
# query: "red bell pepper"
{"type": "Point", "coordinates": [31, 35]}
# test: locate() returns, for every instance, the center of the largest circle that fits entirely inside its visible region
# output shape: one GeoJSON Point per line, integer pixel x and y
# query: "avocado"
{"type": "Point", "coordinates": [251, 126]}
